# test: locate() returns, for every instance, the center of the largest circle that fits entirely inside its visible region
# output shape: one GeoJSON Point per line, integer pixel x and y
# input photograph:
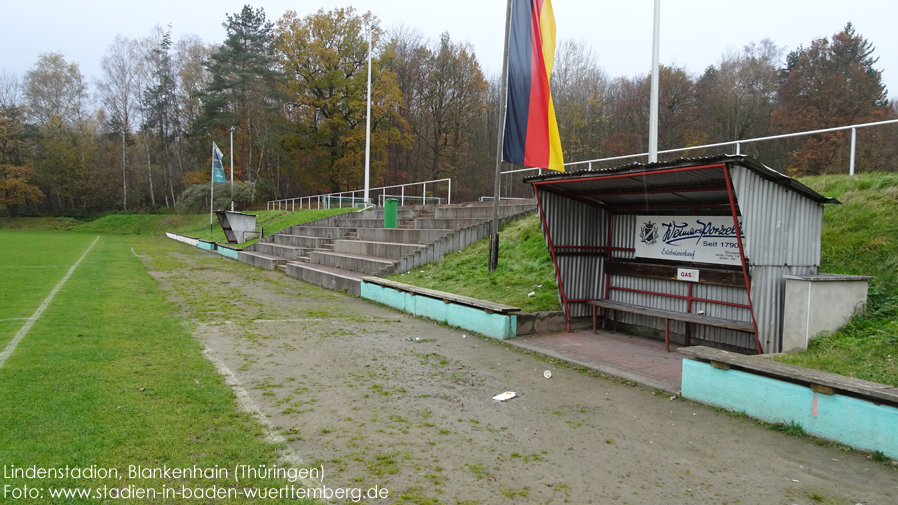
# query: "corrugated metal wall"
{"type": "Point", "coordinates": [572, 223]}
{"type": "Point", "coordinates": [782, 237]}
{"type": "Point", "coordinates": [783, 231]}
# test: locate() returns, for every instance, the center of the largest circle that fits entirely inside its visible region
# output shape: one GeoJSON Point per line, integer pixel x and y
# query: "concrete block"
{"type": "Point", "coordinates": [853, 421]}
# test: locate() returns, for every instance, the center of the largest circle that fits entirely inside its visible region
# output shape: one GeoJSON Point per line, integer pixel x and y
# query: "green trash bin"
{"type": "Point", "coordinates": [390, 212]}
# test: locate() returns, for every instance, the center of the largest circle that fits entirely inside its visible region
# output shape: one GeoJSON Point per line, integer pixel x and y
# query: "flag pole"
{"type": "Point", "coordinates": [653, 108]}
{"type": "Point", "coordinates": [232, 169]}
{"type": "Point", "coordinates": [212, 189]}
{"type": "Point", "coordinates": [503, 89]}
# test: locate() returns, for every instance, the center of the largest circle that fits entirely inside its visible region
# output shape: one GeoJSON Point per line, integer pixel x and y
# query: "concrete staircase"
{"type": "Point", "coordinates": [338, 251]}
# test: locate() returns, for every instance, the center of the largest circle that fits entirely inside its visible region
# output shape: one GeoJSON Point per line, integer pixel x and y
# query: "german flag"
{"type": "Point", "coordinates": [531, 132]}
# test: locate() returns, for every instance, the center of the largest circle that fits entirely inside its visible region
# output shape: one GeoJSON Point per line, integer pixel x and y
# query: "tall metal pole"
{"type": "Point", "coordinates": [232, 169]}
{"type": "Point", "coordinates": [212, 189]}
{"type": "Point", "coordinates": [503, 86]}
{"type": "Point", "coordinates": [653, 114]}
{"type": "Point", "coordinates": [368, 124]}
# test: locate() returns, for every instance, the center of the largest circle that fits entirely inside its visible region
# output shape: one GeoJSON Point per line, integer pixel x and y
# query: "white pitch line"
{"type": "Point", "coordinates": [40, 310]}
{"type": "Point", "coordinates": [39, 266]}
{"type": "Point", "coordinates": [15, 319]}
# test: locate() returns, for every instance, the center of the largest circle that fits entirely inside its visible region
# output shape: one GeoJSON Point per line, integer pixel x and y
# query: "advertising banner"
{"type": "Point", "coordinates": [699, 239]}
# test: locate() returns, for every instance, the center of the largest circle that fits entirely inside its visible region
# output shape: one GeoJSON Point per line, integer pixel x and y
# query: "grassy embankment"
{"type": "Point", "coordinates": [108, 377]}
{"type": "Point", "coordinates": [860, 237]}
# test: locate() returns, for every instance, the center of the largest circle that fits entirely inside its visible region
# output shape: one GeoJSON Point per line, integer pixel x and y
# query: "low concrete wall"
{"type": "Point", "coordinates": [853, 421]}
{"type": "Point", "coordinates": [229, 252]}
{"type": "Point", "coordinates": [820, 303]}
{"type": "Point", "coordinates": [492, 325]}
{"type": "Point", "coordinates": [531, 323]}
{"type": "Point", "coordinates": [182, 238]}
{"type": "Point", "coordinates": [206, 245]}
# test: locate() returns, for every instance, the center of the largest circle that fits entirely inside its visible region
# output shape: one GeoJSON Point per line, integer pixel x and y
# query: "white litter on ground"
{"type": "Point", "coordinates": [508, 395]}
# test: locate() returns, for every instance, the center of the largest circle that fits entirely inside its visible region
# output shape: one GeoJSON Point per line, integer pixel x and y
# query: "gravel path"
{"type": "Point", "coordinates": [382, 398]}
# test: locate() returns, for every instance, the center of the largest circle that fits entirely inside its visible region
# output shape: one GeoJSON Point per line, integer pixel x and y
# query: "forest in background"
{"type": "Point", "coordinates": [139, 137]}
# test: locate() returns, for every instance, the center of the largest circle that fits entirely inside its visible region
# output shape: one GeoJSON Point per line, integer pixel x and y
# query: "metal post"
{"type": "Point", "coordinates": [853, 144]}
{"type": "Point", "coordinates": [424, 200]}
{"type": "Point", "coordinates": [367, 124]}
{"type": "Point", "coordinates": [449, 198]}
{"type": "Point", "coordinates": [493, 261]}
{"type": "Point", "coordinates": [402, 198]}
{"type": "Point", "coordinates": [232, 169]}
{"type": "Point", "coordinates": [653, 112]}
{"type": "Point", "coordinates": [738, 148]}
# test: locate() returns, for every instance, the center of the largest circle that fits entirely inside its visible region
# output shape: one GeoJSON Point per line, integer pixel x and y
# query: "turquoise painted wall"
{"type": "Point", "coordinates": [492, 325]}
{"type": "Point", "coordinates": [208, 246]}
{"type": "Point", "coordinates": [224, 251]}
{"type": "Point", "coordinates": [852, 421]}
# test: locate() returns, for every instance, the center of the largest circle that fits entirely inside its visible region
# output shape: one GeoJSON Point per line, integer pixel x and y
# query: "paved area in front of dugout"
{"type": "Point", "coordinates": [636, 359]}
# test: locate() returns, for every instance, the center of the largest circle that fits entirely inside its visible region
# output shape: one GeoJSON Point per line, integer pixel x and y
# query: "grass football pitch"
{"type": "Point", "coordinates": [108, 378]}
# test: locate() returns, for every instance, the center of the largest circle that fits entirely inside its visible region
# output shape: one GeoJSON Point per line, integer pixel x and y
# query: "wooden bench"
{"type": "Point", "coordinates": [667, 315]}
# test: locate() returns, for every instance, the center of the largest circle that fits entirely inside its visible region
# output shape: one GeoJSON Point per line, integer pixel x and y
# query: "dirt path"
{"type": "Point", "coordinates": [381, 398]}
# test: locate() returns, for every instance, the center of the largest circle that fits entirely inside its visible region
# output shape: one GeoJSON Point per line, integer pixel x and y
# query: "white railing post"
{"type": "Point", "coordinates": [425, 194]}
{"type": "Point", "coordinates": [449, 198]}
{"type": "Point", "coordinates": [853, 144]}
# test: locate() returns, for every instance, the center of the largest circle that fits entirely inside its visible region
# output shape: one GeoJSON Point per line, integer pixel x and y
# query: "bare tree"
{"type": "Point", "coordinates": [55, 89]}
{"type": "Point", "coordinates": [12, 90]}
{"type": "Point", "coordinates": [119, 94]}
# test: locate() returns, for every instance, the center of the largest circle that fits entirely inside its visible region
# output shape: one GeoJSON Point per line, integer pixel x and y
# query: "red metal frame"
{"type": "Point", "coordinates": [657, 191]}
{"type": "Point", "coordinates": [688, 298]}
{"type": "Point", "coordinates": [730, 193]}
{"type": "Point", "coordinates": [542, 217]}
{"type": "Point", "coordinates": [631, 174]}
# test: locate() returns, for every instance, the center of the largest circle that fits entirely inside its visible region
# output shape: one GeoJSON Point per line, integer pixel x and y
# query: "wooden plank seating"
{"type": "Point", "coordinates": [667, 315]}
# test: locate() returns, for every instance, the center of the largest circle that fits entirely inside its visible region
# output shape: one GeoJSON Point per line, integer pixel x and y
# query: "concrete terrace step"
{"type": "Point", "coordinates": [391, 250]}
{"type": "Point", "coordinates": [401, 213]}
{"type": "Point", "coordinates": [352, 262]}
{"type": "Point", "coordinates": [315, 231]}
{"type": "Point", "coordinates": [286, 251]}
{"type": "Point", "coordinates": [403, 236]}
{"type": "Point", "coordinates": [261, 260]}
{"type": "Point", "coordinates": [329, 277]}
{"type": "Point", "coordinates": [300, 240]}
{"type": "Point", "coordinates": [445, 224]}
{"type": "Point", "coordinates": [479, 212]}
{"type": "Point", "coordinates": [360, 223]}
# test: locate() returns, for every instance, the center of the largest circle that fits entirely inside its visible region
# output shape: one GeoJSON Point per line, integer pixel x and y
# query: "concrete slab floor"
{"type": "Point", "coordinates": [636, 359]}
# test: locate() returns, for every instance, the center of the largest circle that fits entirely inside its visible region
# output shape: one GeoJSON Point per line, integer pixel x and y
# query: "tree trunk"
{"type": "Point", "coordinates": [149, 170]}
{"type": "Point", "coordinates": [124, 175]}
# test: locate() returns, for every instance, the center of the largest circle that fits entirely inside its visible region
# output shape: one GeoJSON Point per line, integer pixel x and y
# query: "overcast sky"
{"type": "Point", "coordinates": [694, 33]}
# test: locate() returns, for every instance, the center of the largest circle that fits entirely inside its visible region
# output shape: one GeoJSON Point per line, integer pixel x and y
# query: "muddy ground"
{"type": "Point", "coordinates": [379, 397]}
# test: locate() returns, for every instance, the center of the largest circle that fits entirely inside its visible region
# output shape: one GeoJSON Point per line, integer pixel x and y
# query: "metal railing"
{"type": "Point", "coordinates": [737, 143]}
{"type": "Point", "coordinates": [349, 197]}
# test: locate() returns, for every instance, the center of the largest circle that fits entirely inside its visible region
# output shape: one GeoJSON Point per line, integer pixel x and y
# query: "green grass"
{"type": "Point", "coordinates": [524, 267]}
{"type": "Point", "coordinates": [109, 377]}
{"type": "Point", "coordinates": [860, 237]}
{"type": "Point", "coordinates": [31, 264]}
{"type": "Point", "coordinates": [156, 224]}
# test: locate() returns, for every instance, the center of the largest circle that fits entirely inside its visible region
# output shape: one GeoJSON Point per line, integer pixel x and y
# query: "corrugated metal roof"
{"type": "Point", "coordinates": [606, 186]}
